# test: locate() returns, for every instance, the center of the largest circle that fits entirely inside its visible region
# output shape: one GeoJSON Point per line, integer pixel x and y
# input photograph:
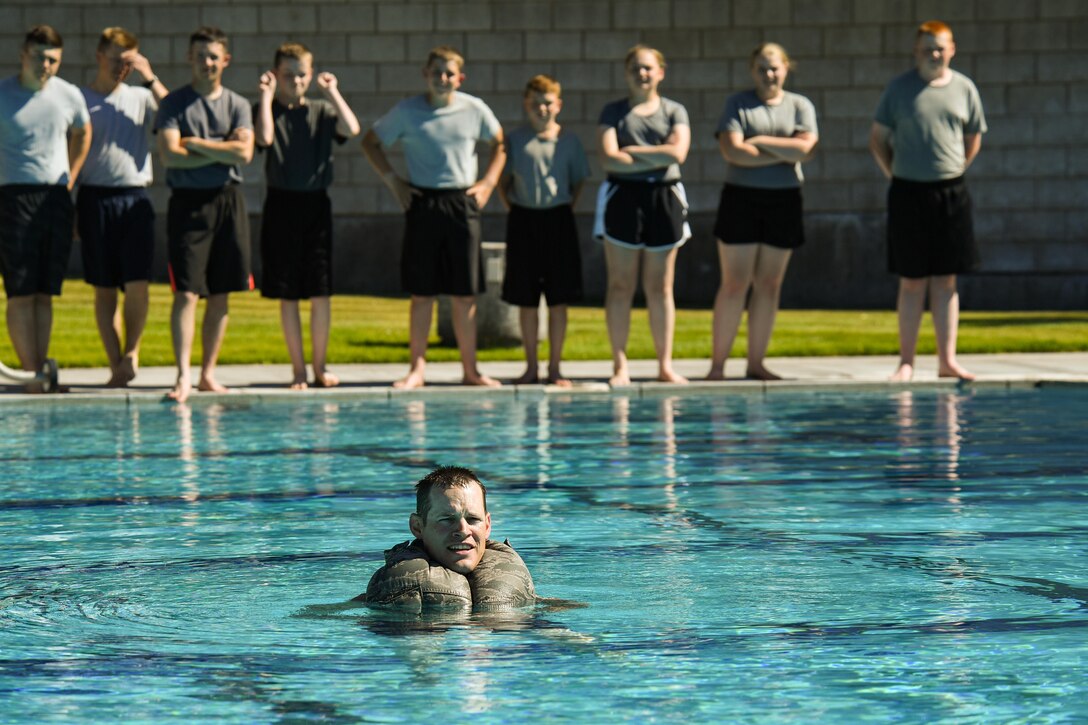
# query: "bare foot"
{"type": "Point", "coordinates": [620, 378]}
{"type": "Point", "coordinates": [529, 377]}
{"type": "Point", "coordinates": [210, 385]}
{"type": "Point", "coordinates": [716, 374]}
{"type": "Point", "coordinates": [298, 382]}
{"type": "Point", "coordinates": [325, 379]}
{"type": "Point", "coordinates": [481, 380]}
{"type": "Point", "coordinates": [414, 379]}
{"type": "Point", "coordinates": [182, 389]}
{"type": "Point", "coordinates": [668, 375]}
{"type": "Point", "coordinates": [902, 374]}
{"type": "Point", "coordinates": [953, 370]}
{"type": "Point", "coordinates": [559, 381]}
{"type": "Point", "coordinates": [117, 380]}
{"type": "Point", "coordinates": [761, 373]}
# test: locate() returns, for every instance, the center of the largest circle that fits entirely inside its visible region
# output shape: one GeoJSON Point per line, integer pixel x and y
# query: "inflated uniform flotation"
{"type": "Point", "coordinates": [410, 579]}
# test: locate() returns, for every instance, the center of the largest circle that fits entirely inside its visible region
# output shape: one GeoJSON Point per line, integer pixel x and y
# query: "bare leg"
{"type": "Point", "coordinates": [737, 263]}
{"type": "Point", "coordinates": [23, 329]}
{"type": "Point", "coordinates": [622, 265]}
{"type": "Point", "coordinates": [135, 316]}
{"type": "Point", "coordinates": [182, 330]}
{"type": "Point", "coordinates": [43, 326]}
{"type": "Point", "coordinates": [529, 319]}
{"type": "Point", "coordinates": [770, 270]}
{"type": "Point", "coordinates": [320, 325]}
{"type": "Point", "coordinates": [419, 327]}
{"type": "Point", "coordinates": [292, 335]}
{"type": "Point", "coordinates": [911, 304]}
{"type": "Point", "coordinates": [557, 335]}
{"type": "Point", "coordinates": [658, 272]}
{"type": "Point", "coordinates": [463, 313]}
{"type": "Point", "coordinates": [108, 319]}
{"type": "Point", "coordinates": [944, 304]}
{"type": "Point", "coordinates": [212, 332]}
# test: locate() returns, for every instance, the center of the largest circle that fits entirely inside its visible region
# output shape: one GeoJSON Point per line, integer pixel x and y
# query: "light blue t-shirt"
{"type": "Point", "coordinates": [543, 171]}
{"type": "Point", "coordinates": [121, 140]}
{"type": "Point", "coordinates": [747, 114]}
{"type": "Point", "coordinates": [928, 124]}
{"type": "Point", "coordinates": [34, 131]}
{"type": "Point", "coordinates": [439, 143]}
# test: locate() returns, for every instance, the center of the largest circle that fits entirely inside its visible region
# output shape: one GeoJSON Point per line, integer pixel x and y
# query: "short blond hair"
{"type": "Point", "coordinates": [543, 84]}
{"type": "Point", "coordinates": [118, 36]}
{"type": "Point", "coordinates": [933, 27]}
{"type": "Point", "coordinates": [293, 51]}
{"type": "Point", "coordinates": [636, 49]}
{"type": "Point", "coordinates": [445, 53]}
{"type": "Point", "coordinates": [767, 48]}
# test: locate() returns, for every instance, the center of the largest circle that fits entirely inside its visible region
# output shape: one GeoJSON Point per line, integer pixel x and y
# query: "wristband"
{"type": "Point", "coordinates": [153, 81]}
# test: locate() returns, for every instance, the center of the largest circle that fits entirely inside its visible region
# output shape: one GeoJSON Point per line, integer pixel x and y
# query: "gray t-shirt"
{"type": "Point", "coordinates": [543, 171]}
{"type": "Point", "coordinates": [745, 113]}
{"type": "Point", "coordinates": [194, 115]}
{"type": "Point", "coordinates": [652, 130]}
{"type": "Point", "coordinates": [439, 143]}
{"type": "Point", "coordinates": [120, 153]}
{"type": "Point", "coordinates": [34, 130]}
{"type": "Point", "coordinates": [300, 157]}
{"type": "Point", "coordinates": [928, 124]}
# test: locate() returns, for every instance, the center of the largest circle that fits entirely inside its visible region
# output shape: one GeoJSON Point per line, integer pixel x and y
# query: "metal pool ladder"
{"type": "Point", "coordinates": [47, 376]}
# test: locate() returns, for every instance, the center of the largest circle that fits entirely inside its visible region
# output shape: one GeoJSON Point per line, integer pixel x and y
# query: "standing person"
{"type": "Point", "coordinates": [641, 208]}
{"type": "Point", "coordinates": [442, 200]}
{"type": "Point", "coordinates": [114, 215]}
{"type": "Point", "coordinates": [45, 134]}
{"type": "Point", "coordinates": [205, 135]}
{"type": "Point", "coordinates": [764, 135]}
{"type": "Point", "coordinates": [296, 225]}
{"type": "Point", "coordinates": [545, 170]}
{"type": "Point", "coordinates": [927, 130]}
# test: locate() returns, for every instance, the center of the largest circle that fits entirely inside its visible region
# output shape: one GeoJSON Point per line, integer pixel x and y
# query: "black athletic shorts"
{"type": "Point", "coordinates": [35, 238]}
{"type": "Point", "coordinates": [208, 241]}
{"type": "Point", "coordinates": [930, 230]}
{"type": "Point", "coordinates": [542, 256]}
{"type": "Point", "coordinates": [116, 233]}
{"type": "Point", "coordinates": [642, 214]}
{"type": "Point", "coordinates": [747, 215]}
{"type": "Point", "coordinates": [296, 245]}
{"type": "Point", "coordinates": [441, 252]}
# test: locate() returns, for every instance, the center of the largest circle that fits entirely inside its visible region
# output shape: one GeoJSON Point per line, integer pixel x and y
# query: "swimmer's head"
{"type": "Point", "coordinates": [451, 518]}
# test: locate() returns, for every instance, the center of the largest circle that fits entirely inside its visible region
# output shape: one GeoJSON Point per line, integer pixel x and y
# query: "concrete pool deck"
{"type": "Point", "coordinates": [591, 376]}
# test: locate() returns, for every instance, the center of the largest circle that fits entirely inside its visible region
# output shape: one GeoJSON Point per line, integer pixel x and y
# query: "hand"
{"type": "Point", "coordinates": [266, 84]}
{"type": "Point", "coordinates": [403, 192]}
{"type": "Point", "coordinates": [327, 82]}
{"type": "Point", "coordinates": [142, 65]}
{"type": "Point", "coordinates": [480, 192]}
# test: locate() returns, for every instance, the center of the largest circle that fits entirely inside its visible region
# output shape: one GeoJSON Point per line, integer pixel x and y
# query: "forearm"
{"type": "Point", "coordinates": [235, 151]}
{"type": "Point", "coordinates": [748, 156]}
{"type": "Point", "coordinates": [347, 125]}
{"type": "Point", "coordinates": [79, 145]}
{"type": "Point", "coordinates": [620, 162]}
{"type": "Point", "coordinates": [495, 166]}
{"type": "Point", "coordinates": [972, 144]}
{"type": "Point", "coordinates": [658, 156]}
{"type": "Point", "coordinates": [263, 125]}
{"type": "Point", "coordinates": [882, 154]}
{"type": "Point", "coordinates": [375, 155]}
{"type": "Point", "coordinates": [791, 149]}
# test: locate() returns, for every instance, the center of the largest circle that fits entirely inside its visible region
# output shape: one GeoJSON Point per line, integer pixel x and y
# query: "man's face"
{"type": "Point", "coordinates": [443, 77]}
{"type": "Point", "coordinates": [542, 108]}
{"type": "Point", "coordinates": [115, 62]}
{"type": "Point", "coordinates": [40, 63]}
{"type": "Point", "coordinates": [456, 529]}
{"type": "Point", "coordinates": [209, 60]}
{"type": "Point", "coordinates": [293, 76]}
{"type": "Point", "coordinates": [933, 55]}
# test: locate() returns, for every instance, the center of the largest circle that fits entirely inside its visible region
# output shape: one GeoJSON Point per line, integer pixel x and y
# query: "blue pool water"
{"type": "Point", "coordinates": [789, 557]}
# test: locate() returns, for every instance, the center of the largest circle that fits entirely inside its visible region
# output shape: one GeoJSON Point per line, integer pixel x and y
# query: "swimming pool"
{"type": "Point", "coordinates": [794, 557]}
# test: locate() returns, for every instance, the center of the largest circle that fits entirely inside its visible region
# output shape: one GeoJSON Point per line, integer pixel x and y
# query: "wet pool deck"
{"type": "Point", "coordinates": [590, 377]}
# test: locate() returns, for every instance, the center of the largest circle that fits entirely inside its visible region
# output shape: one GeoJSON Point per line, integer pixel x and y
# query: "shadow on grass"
{"type": "Point", "coordinates": [1022, 320]}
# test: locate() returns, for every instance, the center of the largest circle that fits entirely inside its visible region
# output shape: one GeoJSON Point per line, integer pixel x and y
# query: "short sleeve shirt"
{"type": "Point", "coordinates": [543, 171]}
{"type": "Point", "coordinates": [439, 143]}
{"type": "Point", "coordinates": [928, 124]}
{"type": "Point", "coordinates": [747, 114]}
{"type": "Point", "coordinates": [300, 157]}
{"type": "Point", "coordinates": [34, 131]}
{"type": "Point", "coordinates": [214, 119]}
{"type": "Point", "coordinates": [120, 153]}
{"type": "Point", "coordinates": [652, 130]}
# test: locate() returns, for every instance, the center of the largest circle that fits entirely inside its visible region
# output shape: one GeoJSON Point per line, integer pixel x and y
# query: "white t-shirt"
{"type": "Point", "coordinates": [122, 124]}
{"type": "Point", "coordinates": [34, 130]}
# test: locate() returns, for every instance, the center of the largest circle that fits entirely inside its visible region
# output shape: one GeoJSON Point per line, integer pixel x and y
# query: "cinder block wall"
{"type": "Point", "coordinates": [1029, 58]}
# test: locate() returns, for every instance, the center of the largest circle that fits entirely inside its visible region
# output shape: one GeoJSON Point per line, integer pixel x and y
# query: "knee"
{"type": "Point", "coordinates": [769, 285]}
{"type": "Point", "coordinates": [912, 286]}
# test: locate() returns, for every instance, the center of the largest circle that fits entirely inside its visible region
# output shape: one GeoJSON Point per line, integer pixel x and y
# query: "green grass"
{"type": "Point", "coordinates": [375, 329]}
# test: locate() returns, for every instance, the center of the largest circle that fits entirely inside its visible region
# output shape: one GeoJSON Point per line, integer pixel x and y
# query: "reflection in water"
{"type": "Point", "coordinates": [935, 446]}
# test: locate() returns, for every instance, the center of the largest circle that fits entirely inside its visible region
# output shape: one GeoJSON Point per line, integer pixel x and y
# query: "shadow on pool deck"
{"type": "Point", "coordinates": [588, 376]}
